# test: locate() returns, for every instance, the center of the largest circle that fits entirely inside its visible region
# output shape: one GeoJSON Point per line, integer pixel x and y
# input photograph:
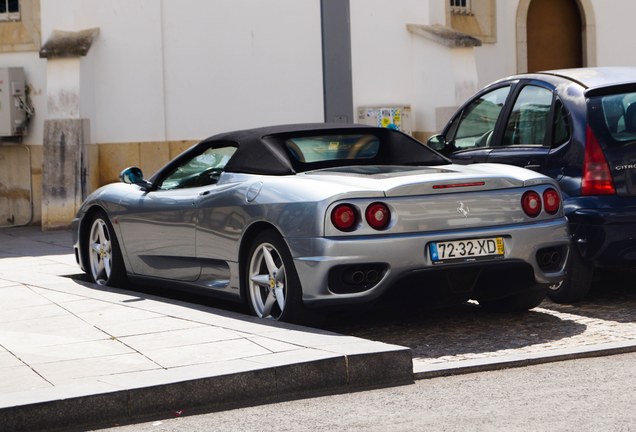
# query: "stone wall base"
{"type": "Point", "coordinates": [65, 170]}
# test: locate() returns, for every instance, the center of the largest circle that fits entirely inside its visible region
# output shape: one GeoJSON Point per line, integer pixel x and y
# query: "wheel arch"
{"type": "Point", "coordinates": [83, 231]}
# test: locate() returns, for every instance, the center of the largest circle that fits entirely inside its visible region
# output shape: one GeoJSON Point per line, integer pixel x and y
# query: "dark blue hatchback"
{"type": "Point", "coordinates": [579, 127]}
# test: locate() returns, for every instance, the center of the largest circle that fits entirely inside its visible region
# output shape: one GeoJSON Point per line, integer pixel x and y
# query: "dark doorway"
{"type": "Point", "coordinates": [554, 35]}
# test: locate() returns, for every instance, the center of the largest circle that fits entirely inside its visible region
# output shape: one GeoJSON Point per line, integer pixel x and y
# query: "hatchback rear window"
{"type": "Point", "coordinates": [619, 115]}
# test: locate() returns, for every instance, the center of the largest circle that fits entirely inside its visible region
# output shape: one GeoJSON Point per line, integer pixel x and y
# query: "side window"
{"type": "Point", "coordinates": [561, 127]}
{"type": "Point", "coordinates": [528, 120]}
{"type": "Point", "coordinates": [201, 170]}
{"type": "Point", "coordinates": [478, 120]}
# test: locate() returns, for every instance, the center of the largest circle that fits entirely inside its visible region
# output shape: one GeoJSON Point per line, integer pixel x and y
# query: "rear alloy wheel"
{"type": "Point", "coordinates": [577, 283]}
{"type": "Point", "coordinates": [105, 264]}
{"type": "Point", "coordinates": [273, 286]}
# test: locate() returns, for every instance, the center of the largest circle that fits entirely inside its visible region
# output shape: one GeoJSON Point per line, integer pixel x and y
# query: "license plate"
{"type": "Point", "coordinates": [466, 250]}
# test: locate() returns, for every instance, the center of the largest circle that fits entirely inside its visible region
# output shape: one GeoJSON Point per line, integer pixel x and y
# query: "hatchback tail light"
{"type": "Point", "coordinates": [597, 177]}
{"type": "Point", "coordinates": [378, 215]}
{"type": "Point", "coordinates": [344, 217]}
{"type": "Point", "coordinates": [551, 200]}
{"type": "Point", "coordinates": [531, 203]}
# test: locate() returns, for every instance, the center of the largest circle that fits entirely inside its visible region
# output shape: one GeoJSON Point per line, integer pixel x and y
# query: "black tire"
{"type": "Point", "coordinates": [270, 293]}
{"type": "Point", "coordinates": [578, 280]}
{"type": "Point", "coordinates": [105, 264]}
{"type": "Point", "coordinates": [519, 302]}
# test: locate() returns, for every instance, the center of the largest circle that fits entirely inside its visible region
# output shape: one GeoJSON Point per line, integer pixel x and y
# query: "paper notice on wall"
{"type": "Point", "coordinates": [397, 117]}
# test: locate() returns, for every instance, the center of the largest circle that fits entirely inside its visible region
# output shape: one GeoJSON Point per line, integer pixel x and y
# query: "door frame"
{"type": "Point", "coordinates": [588, 38]}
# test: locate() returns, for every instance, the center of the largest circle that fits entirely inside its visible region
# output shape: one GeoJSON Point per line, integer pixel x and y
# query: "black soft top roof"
{"type": "Point", "coordinates": [263, 151]}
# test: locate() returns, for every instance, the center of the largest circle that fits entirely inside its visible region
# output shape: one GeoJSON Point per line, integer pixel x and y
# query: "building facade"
{"type": "Point", "coordinates": [135, 82]}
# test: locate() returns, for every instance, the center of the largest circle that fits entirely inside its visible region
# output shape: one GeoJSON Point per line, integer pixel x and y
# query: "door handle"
{"type": "Point", "coordinates": [204, 193]}
{"type": "Point", "coordinates": [532, 166]}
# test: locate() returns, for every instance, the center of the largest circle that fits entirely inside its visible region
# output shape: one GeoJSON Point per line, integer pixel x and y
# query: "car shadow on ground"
{"type": "Point", "coordinates": [428, 332]}
{"type": "Point", "coordinates": [196, 300]}
{"type": "Point", "coordinates": [433, 332]}
{"type": "Point", "coordinates": [451, 331]}
{"type": "Point", "coordinates": [612, 298]}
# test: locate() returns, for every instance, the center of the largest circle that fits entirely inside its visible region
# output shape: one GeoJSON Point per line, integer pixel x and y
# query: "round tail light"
{"type": "Point", "coordinates": [344, 217]}
{"type": "Point", "coordinates": [551, 200]}
{"type": "Point", "coordinates": [378, 215]}
{"type": "Point", "coordinates": [531, 203]}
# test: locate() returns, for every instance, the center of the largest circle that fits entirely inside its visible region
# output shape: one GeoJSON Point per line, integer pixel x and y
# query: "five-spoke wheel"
{"type": "Point", "coordinates": [105, 264]}
{"type": "Point", "coordinates": [273, 287]}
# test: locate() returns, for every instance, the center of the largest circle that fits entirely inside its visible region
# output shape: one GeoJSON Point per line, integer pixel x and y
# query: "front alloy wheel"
{"type": "Point", "coordinates": [104, 258]}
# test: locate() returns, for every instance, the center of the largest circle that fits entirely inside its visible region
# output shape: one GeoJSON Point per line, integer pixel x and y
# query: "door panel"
{"type": "Point", "coordinates": [533, 158]}
{"type": "Point", "coordinates": [526, 137]}
{"type": "Point", "coordinates": [221, 221]}
{"type": "Point", "coordinates": [159, 233]}
{"type": "Point", "coordinates": [471, 156]}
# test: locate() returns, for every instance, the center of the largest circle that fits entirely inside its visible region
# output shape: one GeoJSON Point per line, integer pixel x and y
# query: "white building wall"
{"type": "Point", "coordinates": [126, 61]}
{"type": "Point", "coordinates": [170, 70]}
{"type": "Point", "coordinates": [63, 78]}
{"type": "Point", "coordinates": [173, 70]}
{"type": "Point", "coordinates": [499, 60]}
{"type": "Point", "coordinates": [434, 82]}
{"type": "Point", "coordinates": [385, 71]}
{"type": "Point", "coordinates": [616, 43]}
{"type": "Point", "coordinates": [241, 64]}
{"type": "Point", "coordinates": [382, 50]}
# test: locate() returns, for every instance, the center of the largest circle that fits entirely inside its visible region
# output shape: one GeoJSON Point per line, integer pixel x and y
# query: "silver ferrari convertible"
{"type": "Point", "coordinates": [290, 218]}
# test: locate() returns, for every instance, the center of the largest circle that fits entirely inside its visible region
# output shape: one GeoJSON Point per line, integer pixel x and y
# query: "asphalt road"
{"type": "Point", "coordinates": [577, 395]}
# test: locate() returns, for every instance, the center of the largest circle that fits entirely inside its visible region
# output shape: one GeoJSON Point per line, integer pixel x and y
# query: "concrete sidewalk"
{"type": "Point", "coordinates": [75, 355]}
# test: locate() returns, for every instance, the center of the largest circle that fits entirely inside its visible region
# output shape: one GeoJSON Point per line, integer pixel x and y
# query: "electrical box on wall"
{"type": "Point", "coordinates": [14, 106]}
{"type": "Point", "coordinates": [394, 117]}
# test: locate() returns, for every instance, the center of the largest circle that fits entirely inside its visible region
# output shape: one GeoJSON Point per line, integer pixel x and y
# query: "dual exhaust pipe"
{"type": "Point", "coordinates": [551, 258]}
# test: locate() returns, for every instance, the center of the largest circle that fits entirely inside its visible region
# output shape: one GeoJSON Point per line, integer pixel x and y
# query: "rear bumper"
{"type": "Point", "coordinates": [404, 254]}
{"type": "Point", "coordinates": [605, 237]}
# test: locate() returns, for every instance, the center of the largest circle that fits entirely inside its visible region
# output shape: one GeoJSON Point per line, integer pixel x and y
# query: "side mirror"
{"type": "Point", "coordinates": [437, 142]}
{"type": "Point", "coordinates": [134, 175]}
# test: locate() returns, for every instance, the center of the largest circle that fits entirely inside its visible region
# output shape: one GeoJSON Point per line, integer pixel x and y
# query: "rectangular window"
{"type": "Point", "coordinates": [460, 6]}
{"type": "Point", "coordinates": [619, 115]}
{"type": "Point", "coordinates": [528, 120]}
{"type": "Point", "coordinates": [333, 147]}
{"type": "Point", "coordinates": [9, 10]}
